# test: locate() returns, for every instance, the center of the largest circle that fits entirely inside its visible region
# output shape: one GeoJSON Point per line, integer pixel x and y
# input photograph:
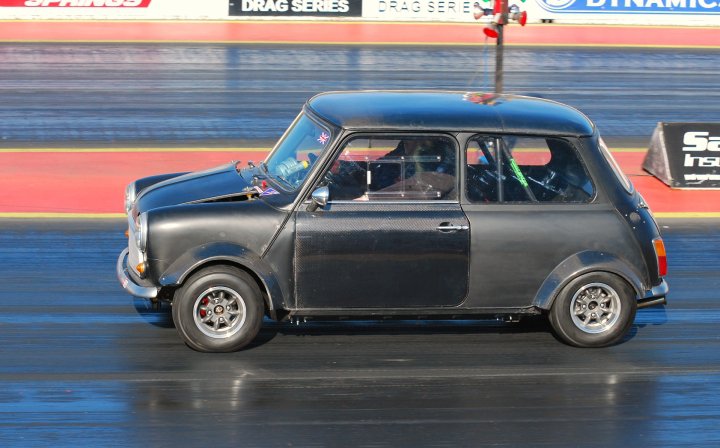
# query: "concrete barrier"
{"type": "Point", "coordinates": [618, 12]}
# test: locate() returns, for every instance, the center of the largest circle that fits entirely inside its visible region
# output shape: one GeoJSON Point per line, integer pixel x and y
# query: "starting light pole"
{"type": "Point", "coordinates": [499, 47]}
{"type": "Point", "coordinates": [501, 12]}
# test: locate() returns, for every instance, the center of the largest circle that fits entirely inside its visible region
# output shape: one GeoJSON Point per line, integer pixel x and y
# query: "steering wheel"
{"type": "Point", "coordinates": [552, 186]}
{"type": "Point", "coordinates": [484, 186]}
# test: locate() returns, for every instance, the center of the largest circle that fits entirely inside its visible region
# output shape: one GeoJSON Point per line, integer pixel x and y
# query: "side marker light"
{"type": "Point", "coordinates": [661, 256]}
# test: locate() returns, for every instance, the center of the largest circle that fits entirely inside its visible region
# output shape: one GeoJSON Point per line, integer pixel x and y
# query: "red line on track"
{"type": "Point", "coordinates": [351, 32]}
{"type": "Point", "coordinates": [60, 182]}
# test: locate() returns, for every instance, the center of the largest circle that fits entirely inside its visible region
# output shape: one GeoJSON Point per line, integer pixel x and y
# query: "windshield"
{"type": "Point", "coordinates": [294, 156]}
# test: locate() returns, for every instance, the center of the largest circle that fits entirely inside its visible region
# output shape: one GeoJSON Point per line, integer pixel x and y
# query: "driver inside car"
{"type": "Point", "coordinates": [424, 168]}
{"type": "Point", "coordinates": [421, 168]}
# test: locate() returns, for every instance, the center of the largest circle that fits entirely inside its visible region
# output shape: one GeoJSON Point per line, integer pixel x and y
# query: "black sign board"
{"type": "Point", "coordinates": [685, 155]}
{"type": "Point", "coordinates": [296, 8]}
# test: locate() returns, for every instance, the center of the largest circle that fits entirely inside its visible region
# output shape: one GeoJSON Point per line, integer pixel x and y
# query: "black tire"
{"type": "Point", "coordinates": [594, 310]}
{"type": "Point", "coordinates": [218, 309]}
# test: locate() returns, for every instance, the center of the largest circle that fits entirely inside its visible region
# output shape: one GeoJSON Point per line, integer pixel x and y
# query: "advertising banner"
{"type": "Point", "coordinates": [631, 6]}
{"type": "Point", "coordinates": [297, 8]}
{"type": "Point", "coordinates": [113, 9]}
{"type": "Point", "coordinates": [439, 10]}
{"type": "Point", "coordinates": [620, 12]}
{"type": "Point", "coordinates": [75, 3]}
{"type": "Point", "coordinates": [685, 155]}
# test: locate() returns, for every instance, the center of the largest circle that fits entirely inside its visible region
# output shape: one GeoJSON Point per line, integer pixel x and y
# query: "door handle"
{"type": "Point", "coordinates": [447, 227]}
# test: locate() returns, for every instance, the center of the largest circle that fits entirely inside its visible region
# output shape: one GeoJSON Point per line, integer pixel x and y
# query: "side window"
{"type": "Point", "coordinates": [481, 178]}
{"type": "Point", "coordinates": [525, 169]}
{"type": "Point", "coordinates": [381, 168]}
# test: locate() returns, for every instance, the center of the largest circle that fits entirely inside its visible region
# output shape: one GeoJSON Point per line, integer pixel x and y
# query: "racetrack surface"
{"type": "Point", "coordinates": [82, 368]}
{"type": "Point", "coordinates": [164, 97]}
{"type": "Point", "coordinates": [229, 95]}
{"type": "Point", "coordinates": [292, 32]}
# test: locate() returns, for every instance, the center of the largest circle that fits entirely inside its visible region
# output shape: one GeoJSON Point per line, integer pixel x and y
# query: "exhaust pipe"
{"type": "Point", "coordinates": [651, 302]}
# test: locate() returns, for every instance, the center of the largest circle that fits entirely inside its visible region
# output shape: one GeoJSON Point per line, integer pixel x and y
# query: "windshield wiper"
{"type": "Point", "coordinates": [285, 181]}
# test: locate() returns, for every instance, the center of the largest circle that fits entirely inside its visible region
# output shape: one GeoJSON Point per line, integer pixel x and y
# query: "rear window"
{"type": "Point", "coordinates": [615, 167]}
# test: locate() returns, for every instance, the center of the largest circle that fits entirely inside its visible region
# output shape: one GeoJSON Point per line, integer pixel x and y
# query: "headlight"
{"type": "Point", "coordinates": [130, 196]}
{"type": "Point", "coordinates": [141, 231]}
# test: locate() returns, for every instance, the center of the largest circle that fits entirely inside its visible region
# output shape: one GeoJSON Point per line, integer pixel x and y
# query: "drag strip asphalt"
{"type": "Point", "coordinates": [82, 367]}
{"type": "Point", "coordinates": [321, 32]}
{"type": "Point", "coordinates": [235, 96]}
{"type": "Point", "coordinates": [153, 96]}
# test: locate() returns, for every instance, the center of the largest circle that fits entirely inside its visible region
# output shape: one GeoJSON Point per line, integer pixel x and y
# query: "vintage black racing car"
{"type": "Point", "coordinates": [402, 204]}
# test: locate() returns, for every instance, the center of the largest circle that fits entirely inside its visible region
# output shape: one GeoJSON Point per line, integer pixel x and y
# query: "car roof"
{"type": "Point", "coordinates": [449, 111]}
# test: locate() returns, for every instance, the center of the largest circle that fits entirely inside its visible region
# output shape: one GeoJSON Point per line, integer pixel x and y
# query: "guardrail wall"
{"type": "Point", "coordinates": [622, 12]}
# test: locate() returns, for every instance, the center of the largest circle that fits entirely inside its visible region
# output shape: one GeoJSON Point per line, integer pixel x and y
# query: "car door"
{"type": "Point", "coordinates": [392, 234]}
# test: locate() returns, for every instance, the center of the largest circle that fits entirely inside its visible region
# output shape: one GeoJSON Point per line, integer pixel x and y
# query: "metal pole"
{"type": "Point", "coordinates": [499, 51]}
{"type": "Point", "coordinates": [499, 61]}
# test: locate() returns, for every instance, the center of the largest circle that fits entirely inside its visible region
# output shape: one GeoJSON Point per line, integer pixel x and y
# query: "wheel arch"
{"type": "Point", "coordinates": [580, 264]}
{"type": "Point", "coordinates": [227, 254]}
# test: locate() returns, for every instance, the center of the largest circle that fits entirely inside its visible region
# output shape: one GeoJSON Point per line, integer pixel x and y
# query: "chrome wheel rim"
{"type": "Point", "coordinates": [219, 312]}
{"type": "Point", "coordinates": [595, 308]}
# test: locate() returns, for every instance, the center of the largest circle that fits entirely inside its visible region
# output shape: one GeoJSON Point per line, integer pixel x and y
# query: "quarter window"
{"type": "Point", "coordinates": [525, 169]}
{"type": "Point", "coordinates": [615, 167]}
{"type": "Point", "coordinates": [418, 167]}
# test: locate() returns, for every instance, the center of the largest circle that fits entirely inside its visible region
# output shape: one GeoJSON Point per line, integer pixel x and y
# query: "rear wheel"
{"type": "Point", "coordinates": [219, 309]}
{"type": "Point", "coordinates": [594, 310]}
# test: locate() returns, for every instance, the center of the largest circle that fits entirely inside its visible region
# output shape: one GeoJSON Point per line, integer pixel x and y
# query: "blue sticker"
{"type": "Point", "coordinates": [268, 192]}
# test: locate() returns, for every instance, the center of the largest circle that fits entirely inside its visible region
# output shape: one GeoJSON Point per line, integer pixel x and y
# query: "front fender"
{"type": "Point", "coordinates": [224, 252]}
{"type": "Point", "coordinates": [582, 263]}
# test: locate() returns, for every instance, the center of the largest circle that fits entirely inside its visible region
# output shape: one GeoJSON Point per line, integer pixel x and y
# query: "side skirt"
{"type": "Point", "coordinates": [409, 313]}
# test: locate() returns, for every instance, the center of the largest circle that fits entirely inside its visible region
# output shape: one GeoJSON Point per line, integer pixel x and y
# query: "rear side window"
{"type": "Point", "coordinates": [525, 169]}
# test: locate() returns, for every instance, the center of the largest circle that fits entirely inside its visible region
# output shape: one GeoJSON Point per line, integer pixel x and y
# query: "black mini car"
{"type": "Point", "coordinates": [406, 205]}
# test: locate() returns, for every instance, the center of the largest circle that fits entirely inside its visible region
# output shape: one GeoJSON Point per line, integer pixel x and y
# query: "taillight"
{"type": "Point", "coordinates": [661, 256]}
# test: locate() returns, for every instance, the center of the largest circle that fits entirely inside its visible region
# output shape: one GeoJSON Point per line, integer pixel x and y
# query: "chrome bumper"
{"type": "Point", "coordinates": [656, 296]}
{"type": "Point", "coordinates": [128, 284]}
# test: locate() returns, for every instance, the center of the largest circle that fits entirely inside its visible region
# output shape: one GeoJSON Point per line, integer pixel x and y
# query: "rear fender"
{"type": "Point", "coordinates": [583, 263]}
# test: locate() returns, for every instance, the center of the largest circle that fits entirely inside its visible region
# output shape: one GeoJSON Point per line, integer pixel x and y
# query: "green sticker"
{"type": "Point", "coordinates": [518, 173]}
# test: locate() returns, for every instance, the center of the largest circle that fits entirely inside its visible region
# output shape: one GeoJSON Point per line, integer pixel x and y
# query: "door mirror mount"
{"type": "Point", "coordinates": [320, 197]}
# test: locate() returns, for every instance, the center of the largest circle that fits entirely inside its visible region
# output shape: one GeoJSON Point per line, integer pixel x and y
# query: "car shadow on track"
{"type": "Point", "coordinates": [271, 329]}
{"type": "Point", "coordinates": [160, 315]}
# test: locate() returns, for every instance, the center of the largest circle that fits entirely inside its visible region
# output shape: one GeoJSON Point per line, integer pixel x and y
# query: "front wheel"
{"type": "Point", "coordinates": [594, 310]}
{"type": "Point", "coordinates": [219, 309]}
